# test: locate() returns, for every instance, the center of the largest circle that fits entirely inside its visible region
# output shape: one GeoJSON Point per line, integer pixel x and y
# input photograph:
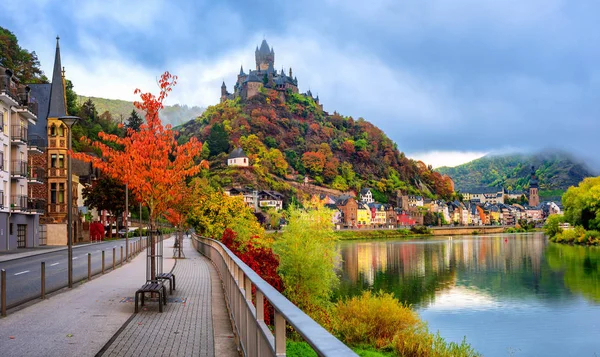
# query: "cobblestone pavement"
{"type": "Point", "coordinates": [185, 328]}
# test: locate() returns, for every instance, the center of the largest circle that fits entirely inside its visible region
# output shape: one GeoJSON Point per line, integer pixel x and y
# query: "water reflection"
{"type": "Point", "coordinates": [504, 292]}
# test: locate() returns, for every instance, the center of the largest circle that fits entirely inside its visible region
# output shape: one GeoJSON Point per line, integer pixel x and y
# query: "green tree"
{"type": "Point", "coordinates": [582, 204]}
{"type": "Point", "coordinates": [218, 140]}
{"type": "Point", "coordinates": [72, 107]}
{"type": "Point", "coordinates": [339, 183]}
{"type": "Point", "coordinates": [134, 121]}
{"type": "Point", "coordinates": [106, 194]}
{"type": "Point", "coordinates": [307, 252]}
{"type": "Point", "coordinates": [552, 226]}
{"type": "Point", "coordinates": [24, 64]}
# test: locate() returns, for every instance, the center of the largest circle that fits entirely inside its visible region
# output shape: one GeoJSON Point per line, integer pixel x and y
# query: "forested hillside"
{"type": "Point", "coordinates": [556, 172]}
{"type": "Point", "coordinates": [121, 109]}
{"type": "Point", "coordinates": [294, 138]}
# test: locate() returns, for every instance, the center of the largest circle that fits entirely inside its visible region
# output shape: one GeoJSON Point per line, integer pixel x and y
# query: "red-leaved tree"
{"type": "Point", "coordinates": [149, 160]}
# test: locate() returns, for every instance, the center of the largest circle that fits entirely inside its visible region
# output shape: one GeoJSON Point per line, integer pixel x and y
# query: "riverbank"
{"type": "Point", "coordinates": [415, 232]}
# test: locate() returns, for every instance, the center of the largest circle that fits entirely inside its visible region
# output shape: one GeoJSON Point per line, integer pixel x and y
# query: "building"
{"type": "Point", "coordinates": [264, 77]}
{"type": "Point", "coordinates": [249, 196]}
{"type": "Point", "coordinates": [534, 198]}
{"type": "Point", "coordinates": [349, 208]}
{"type": "Point", "coordinates": [483, 195]}
{"type": "Point", "coordinates": [19, 215]}
{"type": "Point", "coordinates": [51, 130]}
{"type": "Point", "coordinates": [238, 158]}
{"type": "Point", "coordinates": [366, 196]}
{"type": "Point", "coordinates": [270, 199]}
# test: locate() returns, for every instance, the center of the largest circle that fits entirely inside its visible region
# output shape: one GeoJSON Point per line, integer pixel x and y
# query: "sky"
{"type": "Point", "coordinates": [447, 80]}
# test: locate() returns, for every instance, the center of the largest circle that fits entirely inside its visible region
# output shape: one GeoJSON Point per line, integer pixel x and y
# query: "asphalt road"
{"type": "Point", "coordinates": [23, 275]}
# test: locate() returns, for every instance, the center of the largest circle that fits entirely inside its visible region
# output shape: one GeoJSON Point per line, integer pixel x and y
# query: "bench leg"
{"type": "Point", "coordinates": [174, 282]}
{"type": "Point", "coordinates": [143, 296]}
{"type": "Point", "coordinates": [164, 294]}
{"type": "Point", "coordinates": [160, 307]}
{"type": "Point", "coordinates": [170, 287]}
{"type": "Point", "coordinates": [136, 302]}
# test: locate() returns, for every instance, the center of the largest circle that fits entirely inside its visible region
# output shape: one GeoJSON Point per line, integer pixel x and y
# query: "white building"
{"type": "Point", "coordinates": [19, 216]}
{"type": "Point", "coordinates": [238, 158]}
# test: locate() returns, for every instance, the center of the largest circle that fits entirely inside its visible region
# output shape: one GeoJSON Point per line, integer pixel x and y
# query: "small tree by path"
{"type": "Point", "coordinates": [150, 160]}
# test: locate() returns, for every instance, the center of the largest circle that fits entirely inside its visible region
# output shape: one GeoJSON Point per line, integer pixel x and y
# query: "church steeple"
{"type": "Point", "coordinates": [57, 107]}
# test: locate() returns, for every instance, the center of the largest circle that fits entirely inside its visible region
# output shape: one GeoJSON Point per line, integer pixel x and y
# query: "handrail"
{"type": "Point", "coordinates": [255, 338]}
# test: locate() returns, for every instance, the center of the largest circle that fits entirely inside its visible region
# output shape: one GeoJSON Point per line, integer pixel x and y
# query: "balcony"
{"type": "Point", "coordinates": [18, 203]}
{"type": "Point", "coordinates": [18, 134]}
{"type": "Point", "coordinates": [8, 89]}
{"type": "Point", "coordinates": [36, 144]}
{"type": "Point", "coordinates": [36, 175]}
{"type": "Point", "coordinates": [37, 206]}
{"type": "Point", "coordinates": [29, 110]}
{"type": "Point", "coordinates": [18, 169]}
{"type": "Point", "coordinates": [58, 208]}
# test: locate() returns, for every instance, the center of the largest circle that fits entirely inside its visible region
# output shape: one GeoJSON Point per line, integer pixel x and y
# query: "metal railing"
{"type": "Point", "coordinates": [18, 168]}
{"type": "Point", "coordinates": [36, 174]}
{"type": "Point", "coordinates": [18, 133]}
{"type": "Point", "coordinates": [247, 313]}
{"type": "Point", "coordinates": [18, 202]}
{"type": "Point", "coordinates": [7, 88]}
{"type": "Point", "coordinates": [36, 142]}
{"type": "Point", "coordinates": [36, 205]}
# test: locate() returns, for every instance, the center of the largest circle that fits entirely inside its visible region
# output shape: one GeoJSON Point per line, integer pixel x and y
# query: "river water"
{"type": "Point", "coordinates": [509, 294]}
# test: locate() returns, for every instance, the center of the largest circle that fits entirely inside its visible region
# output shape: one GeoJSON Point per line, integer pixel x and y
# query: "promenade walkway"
{"type": "Point", "coordinates": [96, 318]}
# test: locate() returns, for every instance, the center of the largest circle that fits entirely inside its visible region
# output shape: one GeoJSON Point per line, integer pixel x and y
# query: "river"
{"type": "Point", "coordinates": [509, 294]}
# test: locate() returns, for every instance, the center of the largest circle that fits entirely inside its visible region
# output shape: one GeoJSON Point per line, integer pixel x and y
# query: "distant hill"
{"type": "Point", "coordinates": [171, 114]}
{"type": "Point", "coordinates": [556, 171]}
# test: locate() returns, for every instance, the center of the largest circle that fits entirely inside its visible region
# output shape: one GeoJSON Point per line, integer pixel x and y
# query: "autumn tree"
{"type": "Point", "coordinates": [314, 162]}
{"type": "Point", "coordinates": [150, 160]}
{"type": "Point", "coordinates": [24, 64]}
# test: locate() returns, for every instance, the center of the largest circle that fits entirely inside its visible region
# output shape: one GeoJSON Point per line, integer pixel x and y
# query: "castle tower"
{"type": "Point", "coordinates": [223, 92]}
{"type": "Point", "coordinates": [265, 56]}
{"type": "Point", "coordinates": [534, 198]}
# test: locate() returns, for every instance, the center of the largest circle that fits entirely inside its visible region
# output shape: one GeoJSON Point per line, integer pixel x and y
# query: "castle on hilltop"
{"type": "Point", "coordinates": [265, 76]}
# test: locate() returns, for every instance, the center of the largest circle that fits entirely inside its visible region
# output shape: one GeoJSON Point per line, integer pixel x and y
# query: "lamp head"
{"type": "Point", "coordinates": [69, 120]}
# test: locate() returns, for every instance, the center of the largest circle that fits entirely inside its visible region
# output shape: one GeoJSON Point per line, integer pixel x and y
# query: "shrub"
{"type": "Point", "coordinates": [371, 319]}
{"type": "Point", "coordinates": [419, 342]}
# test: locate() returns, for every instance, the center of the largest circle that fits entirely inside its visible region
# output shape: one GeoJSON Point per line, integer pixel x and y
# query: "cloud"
{"type": "Point", "coordinates": [446, 158]}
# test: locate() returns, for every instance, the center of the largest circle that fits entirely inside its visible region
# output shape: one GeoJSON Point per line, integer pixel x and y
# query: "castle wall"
{"type": "Point", "coordinates": [253, 88]}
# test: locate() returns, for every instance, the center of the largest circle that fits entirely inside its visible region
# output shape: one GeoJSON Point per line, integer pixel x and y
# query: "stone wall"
{"type": "Point", "coordinates": [448, 231]}
{"type": "Point", "coordinates": [56, 234]}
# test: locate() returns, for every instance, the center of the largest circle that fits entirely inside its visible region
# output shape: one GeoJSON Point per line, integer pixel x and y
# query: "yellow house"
{"type": "Point", "coordinates": [363, 215]}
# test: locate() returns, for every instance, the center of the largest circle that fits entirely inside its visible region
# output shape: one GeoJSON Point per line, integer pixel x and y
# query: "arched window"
{"type": "Point", "coordinates": [53, 130]}
{"type": "Point", "coordinates": [61, 130]}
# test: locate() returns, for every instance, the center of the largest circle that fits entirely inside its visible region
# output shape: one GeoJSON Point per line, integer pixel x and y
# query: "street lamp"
{"type": "Point", "coordinates": [69, 121]}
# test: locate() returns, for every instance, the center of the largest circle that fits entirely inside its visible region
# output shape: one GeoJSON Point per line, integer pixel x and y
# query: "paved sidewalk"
{"type": "Point", "coordinates": [80, 322]}
{"type": "Point", "coordinates": [185, 328]}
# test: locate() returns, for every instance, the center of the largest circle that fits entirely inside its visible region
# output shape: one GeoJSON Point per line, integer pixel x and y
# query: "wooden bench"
{"type": "Point", "coordinates": [170, 277]}
{"type": "Point", "coordinates": [152, 287]}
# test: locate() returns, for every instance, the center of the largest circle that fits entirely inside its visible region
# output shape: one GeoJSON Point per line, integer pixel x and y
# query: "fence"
{"type": "Point", "coordinates": [247, 312]}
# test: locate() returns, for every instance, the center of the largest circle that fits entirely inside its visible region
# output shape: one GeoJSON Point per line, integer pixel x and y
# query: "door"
{"type": "Point", "coordinates": [21, 235]}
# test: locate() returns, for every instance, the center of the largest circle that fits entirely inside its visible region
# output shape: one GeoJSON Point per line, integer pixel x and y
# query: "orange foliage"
{"type": "Point", "coordinates": [151, 161]}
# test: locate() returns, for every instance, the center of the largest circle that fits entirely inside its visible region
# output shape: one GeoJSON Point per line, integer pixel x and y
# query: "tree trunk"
{"type": "Point", "coordinates": [153, 238]}
{"type": "Point", "coordinates": [109, 227]}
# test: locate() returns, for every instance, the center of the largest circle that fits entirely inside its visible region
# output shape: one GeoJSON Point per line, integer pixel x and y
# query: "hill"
{"type": "Point", "coordinates": [555, 170]}
{"type": "Point", "coordinates": [121, 109]}
{"type": "Point", "coordinates": [288, 137]}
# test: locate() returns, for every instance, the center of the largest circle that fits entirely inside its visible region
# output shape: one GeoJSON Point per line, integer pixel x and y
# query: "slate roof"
{"type": "Point", "coordinates": [237, 153]}
{"type": "Point", "coordinates": [483, 190]}
{"type": "Point", "coordinates": [57, 93]}
{"type": "Point", "coordinates": [364, 191]}
{"type": "Point", "coordinates": [41, 94]}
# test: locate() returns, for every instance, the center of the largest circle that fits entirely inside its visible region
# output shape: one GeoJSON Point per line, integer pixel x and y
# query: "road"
{"type": "Point", "coordinates": [23, 275]}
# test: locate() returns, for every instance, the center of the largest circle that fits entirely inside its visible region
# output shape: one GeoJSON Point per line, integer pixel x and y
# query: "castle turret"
{"type": "Point", "coordinates": [265, 56]}
{"type": "Point", "coordinates": [242, 71]}
{"type": "Point", "coordinates": [223, 92]}
{"type": "Point", "coordinates": [291, 73]}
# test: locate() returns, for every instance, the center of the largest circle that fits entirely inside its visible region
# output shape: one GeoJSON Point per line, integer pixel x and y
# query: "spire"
{"type": "Point", "coordinates": [223, 85]}
{"type": "Point", "coordinates": [57, 90]}
{"type": "Point", "coordinates": [290, 72]}
{"type": "Point", "coordinates": [241, 70]}
{"type": "Point", "coordinates": [264, 47]}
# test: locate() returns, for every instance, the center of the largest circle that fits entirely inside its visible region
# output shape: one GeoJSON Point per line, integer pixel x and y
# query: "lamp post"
{"type": "Point", "coordinates": [126, 221]}
{"type": "Point", "coordinates": [69, 121]}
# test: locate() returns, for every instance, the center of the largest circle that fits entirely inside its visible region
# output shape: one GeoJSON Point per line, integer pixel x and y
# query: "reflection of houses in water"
{"type": "Point", "coordinates": [371, 258]}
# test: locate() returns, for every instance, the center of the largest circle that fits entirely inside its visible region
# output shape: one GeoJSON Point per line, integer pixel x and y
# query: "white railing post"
{"type": "Point", "coordinates": [279, 334]}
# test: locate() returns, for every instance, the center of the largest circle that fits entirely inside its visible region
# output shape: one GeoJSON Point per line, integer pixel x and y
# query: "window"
{"type": "Point", "coordinates": [53, 130]}
{"type": "Point", "coordinates": [61, 130]}
{"type": "Point", "coordinates": [61, 193]}
{"type": "Point", "coordinates": [53, 161]}
{"type": "Point", "coordinates": [61, 161]}
{"type": "Point", "coordinates": [53, 193]}
{"type": "Point", "coordinates": [2, 121]}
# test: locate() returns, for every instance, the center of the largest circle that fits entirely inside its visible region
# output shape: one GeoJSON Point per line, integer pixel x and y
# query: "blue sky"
{"type": "Point", "coordinates": [447, 80]}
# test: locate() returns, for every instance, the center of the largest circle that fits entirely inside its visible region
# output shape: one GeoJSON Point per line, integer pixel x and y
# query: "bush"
{"type": "Point", "coordinates": [419, 342]}
{"type": "Point", "coordinates": [371, 319]}
{"type": "Point", "coordinates": [420, 230]}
